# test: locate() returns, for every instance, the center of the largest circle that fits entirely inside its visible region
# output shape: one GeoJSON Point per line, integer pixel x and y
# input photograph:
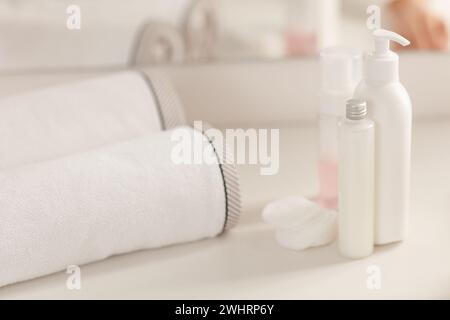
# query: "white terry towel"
{"type": "Point", "coordinates": [116, 199]}
{"type": "Point", "coordinates": [61, 120]}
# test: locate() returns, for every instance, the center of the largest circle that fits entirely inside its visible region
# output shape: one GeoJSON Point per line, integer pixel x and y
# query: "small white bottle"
{"type": "Point", "coordinates": [389, 106]}
{"type": "Point", "coordinates": [340, 73]}
{"type": "Point", "coordinates": [356, 182]}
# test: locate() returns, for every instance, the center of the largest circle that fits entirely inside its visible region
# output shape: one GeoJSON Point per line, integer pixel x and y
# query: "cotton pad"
{"type": "Point", "coordinates": [301, 223]}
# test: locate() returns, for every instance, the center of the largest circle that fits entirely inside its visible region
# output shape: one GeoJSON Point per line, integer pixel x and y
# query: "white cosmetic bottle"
{"type": "Point", "coordinates": [340, 73]}
{"type": "Point", "coordinates": [356, 182]}
{"type": "Point", "coordinates": [389, 106]}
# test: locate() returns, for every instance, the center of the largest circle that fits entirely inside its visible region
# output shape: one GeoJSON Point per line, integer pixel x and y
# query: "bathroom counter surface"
{"type": "Point", "coordinates": [246, 263]}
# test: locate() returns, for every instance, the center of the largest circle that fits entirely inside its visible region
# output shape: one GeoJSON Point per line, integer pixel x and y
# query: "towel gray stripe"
{"type": "Point", "coordinates": [167, 100]}
{"type": "Point", "coordinates": [230, 181]}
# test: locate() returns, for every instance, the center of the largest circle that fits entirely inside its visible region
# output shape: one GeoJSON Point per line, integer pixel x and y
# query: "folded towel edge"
{"type": "Point", "coordinates": [167, 100]}
{"type": "Point", "coordinates": [230, 178]}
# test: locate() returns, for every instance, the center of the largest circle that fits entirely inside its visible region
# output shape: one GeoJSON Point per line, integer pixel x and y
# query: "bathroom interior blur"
{"type": "Point", "coordinates": [43, 34]}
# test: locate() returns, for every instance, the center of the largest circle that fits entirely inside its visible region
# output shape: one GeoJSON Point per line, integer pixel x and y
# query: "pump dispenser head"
{"type": "Point", "coordinates": [382, 40]}
{"type": "Point", "coordinates": [382, 63]}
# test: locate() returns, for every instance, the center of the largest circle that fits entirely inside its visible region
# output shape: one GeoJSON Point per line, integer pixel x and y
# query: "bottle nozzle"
{"type": "Point", "coordinates": [382, 38]}
{"type": "Point", "coordinates": [382, 63]}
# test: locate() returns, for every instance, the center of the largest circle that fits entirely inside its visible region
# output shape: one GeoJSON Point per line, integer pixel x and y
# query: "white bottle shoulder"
{"type": "Point", "coordinates": [388, 90]}
{"type": "Point", "coordinates": [391, 97]}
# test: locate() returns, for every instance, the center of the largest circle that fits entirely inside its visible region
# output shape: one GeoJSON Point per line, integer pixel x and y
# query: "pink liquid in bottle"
{"type": "Point", "coordinates": [340, 73]}
{"type": "Point", "coordinates": [328, 179]}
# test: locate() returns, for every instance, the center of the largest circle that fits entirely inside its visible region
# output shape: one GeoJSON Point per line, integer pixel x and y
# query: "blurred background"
{"type": "Point", "coordinates": [233, 62]}
{"type": "Point", "coordinates": [43, 34]}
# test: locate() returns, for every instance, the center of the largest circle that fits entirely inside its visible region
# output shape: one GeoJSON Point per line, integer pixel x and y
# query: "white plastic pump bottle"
{"type": "Point", "coordinates": [389, 106]}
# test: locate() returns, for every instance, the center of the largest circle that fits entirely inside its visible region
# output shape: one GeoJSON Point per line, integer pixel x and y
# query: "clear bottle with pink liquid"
{"type": "Point", "coordinates": [340, 73]}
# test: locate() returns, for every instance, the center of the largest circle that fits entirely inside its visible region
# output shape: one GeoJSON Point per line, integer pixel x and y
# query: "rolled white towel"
{"type": "Point", "coordinates": [201, 29]}
{"type": "Point", "coordinates": [34, 33]}
{"type": "Point", "coordinates": [61, 120]}
{"type": "Point", "coordinates": [160, 42]}
{"type": "Point", "coordinates": [125, 197]}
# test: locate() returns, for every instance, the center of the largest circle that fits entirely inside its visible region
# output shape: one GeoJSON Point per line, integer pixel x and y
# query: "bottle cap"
{"type": "Point", "coordinates": [340, 73]}
{"type": "Point", "coordinates": [356, 109]}
{"type": "Point", "coordinates": [340, 68]}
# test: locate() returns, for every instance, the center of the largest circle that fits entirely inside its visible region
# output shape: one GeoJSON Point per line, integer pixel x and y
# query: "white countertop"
{"type": "Point", "coordinates": [246, 263]}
